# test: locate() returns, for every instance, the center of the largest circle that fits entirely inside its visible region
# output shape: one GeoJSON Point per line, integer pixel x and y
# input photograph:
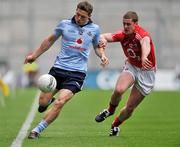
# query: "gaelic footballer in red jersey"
{"type": "Point", "coordinates": [131, 44]}
{"type": "Point", "coordinates": [138, 72]}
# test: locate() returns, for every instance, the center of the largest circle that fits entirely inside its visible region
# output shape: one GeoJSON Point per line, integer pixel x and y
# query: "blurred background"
{"type": "Point", "coordinates": [25, 23]}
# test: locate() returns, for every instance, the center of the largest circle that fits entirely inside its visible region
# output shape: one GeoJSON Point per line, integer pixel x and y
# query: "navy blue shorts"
{"type": "Point", "coordinates": [71, 80]}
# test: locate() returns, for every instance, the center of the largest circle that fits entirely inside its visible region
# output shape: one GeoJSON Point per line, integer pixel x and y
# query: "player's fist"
{"type": "Point", "coordinates": [29, 58]}
{"type": "Point", "coordinates": [104, 61]}
{"type": "Point", "coordinates": [146, 64]}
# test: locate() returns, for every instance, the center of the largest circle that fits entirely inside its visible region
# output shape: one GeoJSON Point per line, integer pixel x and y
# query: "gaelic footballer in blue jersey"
{"type": "Point", "coordinates": [77, 35]}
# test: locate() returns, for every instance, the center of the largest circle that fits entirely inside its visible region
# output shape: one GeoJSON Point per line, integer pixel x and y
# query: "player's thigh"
{"type": "Point", "coordinates": [145, 81]}
{"type": "Point", "coordinates": [125, 80]}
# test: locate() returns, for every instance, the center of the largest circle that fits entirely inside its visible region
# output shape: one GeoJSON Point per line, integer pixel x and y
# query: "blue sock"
{"type": "Point", "coordinates": [40, 127]}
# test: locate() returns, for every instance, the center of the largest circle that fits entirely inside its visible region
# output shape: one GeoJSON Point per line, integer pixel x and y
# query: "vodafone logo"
{"type": "Point", "coordinates": [79, 41]}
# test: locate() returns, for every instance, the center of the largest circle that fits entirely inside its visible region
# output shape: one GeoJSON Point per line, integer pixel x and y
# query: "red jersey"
{"type": "Point", "coordinates": [132, 47]}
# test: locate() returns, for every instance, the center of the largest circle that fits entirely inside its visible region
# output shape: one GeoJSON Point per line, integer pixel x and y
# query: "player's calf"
{"type": "Point", "coordinates": [44, 108]}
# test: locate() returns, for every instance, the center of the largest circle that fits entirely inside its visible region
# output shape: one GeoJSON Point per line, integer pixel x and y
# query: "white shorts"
{"type": "Point", "coordinates": [144, 79]}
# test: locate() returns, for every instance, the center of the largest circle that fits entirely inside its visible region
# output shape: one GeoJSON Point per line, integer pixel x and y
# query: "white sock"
{"type": "Point", "coordinates": [40, 127]}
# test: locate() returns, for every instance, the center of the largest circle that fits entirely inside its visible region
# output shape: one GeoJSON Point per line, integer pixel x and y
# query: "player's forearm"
{"type": "Point", "coordinates": [45, 45]}
{"type": "Point", "coordinates": [107, 37]}
{"type": "Point", "coordinates": [145, 51]}
{"type": "Point", "coordinates": [145, 44]}
{"type": "Point", "coordinates": [100, 52]}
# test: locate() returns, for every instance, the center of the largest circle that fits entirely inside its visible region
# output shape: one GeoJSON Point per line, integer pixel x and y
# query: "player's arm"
{"type": "Point", "coordinates": [105, 38]}
{"type": "Point", "coordinates": [100, 52]}
{"type": "Point", "coordinates": [45, 45]}
{"type": "Point", "coordinates": [146, 48]}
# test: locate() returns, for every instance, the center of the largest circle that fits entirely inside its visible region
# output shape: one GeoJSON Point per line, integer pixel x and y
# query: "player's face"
{"type": "Point", "coordinates": [81, 17]}
{"type": "Point", "coordinates": [129, 26]}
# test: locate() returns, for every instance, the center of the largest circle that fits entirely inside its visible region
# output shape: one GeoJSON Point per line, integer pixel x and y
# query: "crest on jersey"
{"type": "Point", "coordinates": [89, 33]}
{"type": "Point", "coordinates": [81, 31]}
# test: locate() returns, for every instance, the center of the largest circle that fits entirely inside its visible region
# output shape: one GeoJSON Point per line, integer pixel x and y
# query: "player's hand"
{"type": "Point", "coordinates": [146, 64]}
{"type": "Point", "coordinates": [29, 58]}
{"type": "Point", "coordinates": [104, 61]}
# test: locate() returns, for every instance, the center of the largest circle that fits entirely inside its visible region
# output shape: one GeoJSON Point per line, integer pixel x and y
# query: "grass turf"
{"type": "Point", "coordinates": [155, 123]}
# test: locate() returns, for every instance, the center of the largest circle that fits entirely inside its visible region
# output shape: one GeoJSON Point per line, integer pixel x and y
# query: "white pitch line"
{"type": "Point", "coordinates": [26, 125]}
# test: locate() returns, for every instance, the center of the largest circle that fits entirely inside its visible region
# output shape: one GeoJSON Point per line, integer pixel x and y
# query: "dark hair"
{"type": "Point", "coordinates": [131, 15]}
{"type": "Point", "coordinates": [86, 6]}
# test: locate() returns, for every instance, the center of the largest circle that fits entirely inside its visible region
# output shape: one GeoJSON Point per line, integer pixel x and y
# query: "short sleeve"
{"type": "Point", "coordinates": [96, 37]}
{"type": "Point", "coordinates": [118, 36]}
{"type": "Point", "coordinates": [58, 29]}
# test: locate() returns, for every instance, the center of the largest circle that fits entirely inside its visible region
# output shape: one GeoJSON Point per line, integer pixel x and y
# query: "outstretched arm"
{"type": "Point", "coordinates": [45, 45]}
{"type": "Point", "coordinates": [105, 38]}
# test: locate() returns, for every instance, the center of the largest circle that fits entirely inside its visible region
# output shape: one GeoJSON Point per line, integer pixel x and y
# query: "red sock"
{"type": "Point", "coordinates": [116, 122]}
{"type": "Point", "coordinates": [112, 108]}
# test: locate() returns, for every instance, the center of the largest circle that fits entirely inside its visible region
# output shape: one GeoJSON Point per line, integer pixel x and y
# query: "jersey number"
{"type": "Point", "coordinates": [132, 54]}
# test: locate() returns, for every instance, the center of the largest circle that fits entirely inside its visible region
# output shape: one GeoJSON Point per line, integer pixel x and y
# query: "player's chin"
{"type": "Point", "coordinates": [80, 23]}
{"type": "Point", "coordinates": [128, 32]}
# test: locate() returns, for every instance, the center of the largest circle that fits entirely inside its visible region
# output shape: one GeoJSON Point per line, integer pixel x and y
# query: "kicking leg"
{"type": "Point", "coordinates": [64, 96]}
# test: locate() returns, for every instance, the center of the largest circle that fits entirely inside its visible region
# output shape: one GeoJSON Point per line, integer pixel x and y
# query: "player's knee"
{"type": "Point", "coordinates": [59, 103]}
{"type": "Point", "coordinates": [119, 91]}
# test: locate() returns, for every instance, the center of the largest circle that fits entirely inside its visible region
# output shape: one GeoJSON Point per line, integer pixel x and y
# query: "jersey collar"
{"type": "Point", "coordinates": [73, 21]}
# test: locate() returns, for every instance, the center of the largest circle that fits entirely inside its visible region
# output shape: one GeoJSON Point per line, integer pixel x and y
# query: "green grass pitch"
{"type": "Point", "coordinates": [155, 123]}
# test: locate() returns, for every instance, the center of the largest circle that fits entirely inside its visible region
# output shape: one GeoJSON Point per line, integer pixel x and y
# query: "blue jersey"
{"type": "Point", "coordinates": [76, 42]}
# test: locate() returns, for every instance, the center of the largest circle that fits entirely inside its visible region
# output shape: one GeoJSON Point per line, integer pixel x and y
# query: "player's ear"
{"type": "Point", "coordinates": [89, 15]}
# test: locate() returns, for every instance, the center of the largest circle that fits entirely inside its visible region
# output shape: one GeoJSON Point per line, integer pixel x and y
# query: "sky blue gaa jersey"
{"type": "Point", "coordinates": [75, 44]}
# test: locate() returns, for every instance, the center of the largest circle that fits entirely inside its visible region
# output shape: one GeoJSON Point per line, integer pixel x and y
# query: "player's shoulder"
{"type": "Point", "coordinates": [118, 33]}
{"type": "Point", "coordinates": [141, 32]}
{"type": "Point", "coordinates": [93, 25]}
{"type": "Point", "coordinates": [65, 21]}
